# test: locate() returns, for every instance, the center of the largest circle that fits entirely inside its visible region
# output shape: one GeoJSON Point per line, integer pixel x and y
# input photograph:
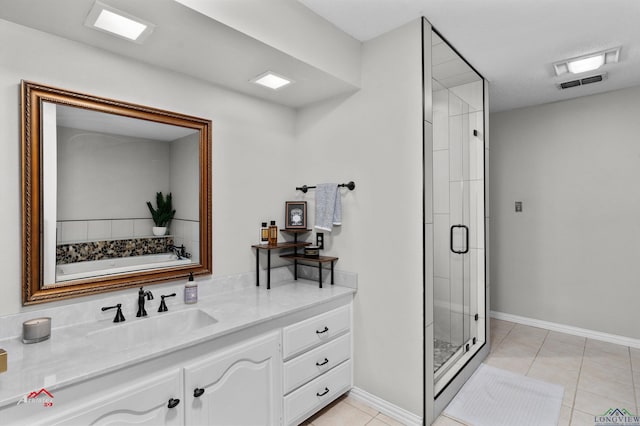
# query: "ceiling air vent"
{"type": "Point", "coordinates": [582, 81]}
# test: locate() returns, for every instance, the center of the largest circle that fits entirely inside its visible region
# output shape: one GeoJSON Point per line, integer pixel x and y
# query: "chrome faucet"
{"type": "Point", "coordinates": [141, 296]}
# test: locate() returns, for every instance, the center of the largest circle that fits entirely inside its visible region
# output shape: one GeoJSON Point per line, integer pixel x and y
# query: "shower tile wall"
{"type": "Point", "coordinates": [456, 178]}
{"type": "Point", "coordinates": [441, 290]}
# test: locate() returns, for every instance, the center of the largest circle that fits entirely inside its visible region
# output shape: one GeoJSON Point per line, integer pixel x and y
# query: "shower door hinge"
{"type": "Point", "coordinates": [474, 341]}
{"type": "Point", "coordinates": [466, 347]}
{"type": "Point", "coordinates": [476, 317]}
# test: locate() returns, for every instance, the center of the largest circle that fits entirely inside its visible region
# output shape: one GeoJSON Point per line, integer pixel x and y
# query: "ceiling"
{"type": "Point", "coordinates": [512, 43]}
{"type": "Point", "coordinates": [448, 69]}
{"type": "Point", "coordinates": [184, 41]}
{"type": "Point", "coordinates": [95, 121]}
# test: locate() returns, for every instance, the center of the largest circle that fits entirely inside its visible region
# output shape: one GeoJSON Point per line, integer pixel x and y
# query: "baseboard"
{"type": "Point", "coordinates": [388, 409]}
{"type": "Point", "coordinates": [568, 329]}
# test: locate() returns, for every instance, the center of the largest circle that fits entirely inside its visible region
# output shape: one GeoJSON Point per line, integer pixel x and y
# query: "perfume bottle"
{"type": "Point", "coordinates": [273, 233]}
{"type": "Point", "coordinates": [264, 234]}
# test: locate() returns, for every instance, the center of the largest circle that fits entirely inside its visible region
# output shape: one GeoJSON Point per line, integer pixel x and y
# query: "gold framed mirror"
{"type": "Point", "coordinates": [89, 167]}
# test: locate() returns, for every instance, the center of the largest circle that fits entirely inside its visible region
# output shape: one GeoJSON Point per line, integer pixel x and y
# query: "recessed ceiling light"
{"type": "Point", "coordinates": [272, 80]}
{"type": "Point", "coordinates": [588, 62]}
{"type": "Point", "coordinates": [113, 21]}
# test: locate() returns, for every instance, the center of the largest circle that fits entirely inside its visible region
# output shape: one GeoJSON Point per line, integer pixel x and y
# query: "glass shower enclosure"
{"type": "Point", "coordinates": [458, 212]}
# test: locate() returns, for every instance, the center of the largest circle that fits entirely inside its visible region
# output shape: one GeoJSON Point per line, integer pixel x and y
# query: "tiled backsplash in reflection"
{"type": "Point", "coordinates": [80, 240]}
{"type": "Point", "coordinates": [109, 249]}
{"type": "Point", "coordinates": [74, 231]}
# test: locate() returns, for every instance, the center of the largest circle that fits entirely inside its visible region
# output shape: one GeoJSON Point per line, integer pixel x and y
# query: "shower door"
{"type": "Point", "coordinates": [458, 211]}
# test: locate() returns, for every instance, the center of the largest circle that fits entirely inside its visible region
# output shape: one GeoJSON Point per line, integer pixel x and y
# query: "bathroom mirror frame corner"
{"type": "Point", "coordinates": [34, 288]}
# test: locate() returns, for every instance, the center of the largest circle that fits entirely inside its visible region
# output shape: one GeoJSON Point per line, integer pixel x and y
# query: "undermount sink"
{"type": "Point", "coordinates": [153, 328]}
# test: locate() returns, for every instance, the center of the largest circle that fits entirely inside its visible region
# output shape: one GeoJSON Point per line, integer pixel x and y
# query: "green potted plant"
{"type": "Point", "coordinates": [162, 214]}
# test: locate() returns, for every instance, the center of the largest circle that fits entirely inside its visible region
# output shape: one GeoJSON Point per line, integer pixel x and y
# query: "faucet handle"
{"type": "Point", "coordinates": [119, 317]}
{"type": "Point", "coordinates": [163, 305]}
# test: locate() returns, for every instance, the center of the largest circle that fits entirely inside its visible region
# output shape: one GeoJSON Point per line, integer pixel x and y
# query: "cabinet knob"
{"type": "Point", "coordinates": [323, 330]}
{"type": "Point", "coordinates": [197, 392]}
{"type": "Point", "coordinates": [326, 391]}
{"type": "Point", "coordinates": [320, 364]}
{"type": "Point", "coordinates": [173, 402]}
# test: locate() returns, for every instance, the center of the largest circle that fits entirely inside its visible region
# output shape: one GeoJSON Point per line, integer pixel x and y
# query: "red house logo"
{"type": "Point", "coordinates": [42, 396]}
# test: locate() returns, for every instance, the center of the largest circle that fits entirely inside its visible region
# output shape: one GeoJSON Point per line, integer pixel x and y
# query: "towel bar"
{"type": "Point", "coordinates": [304, 188]}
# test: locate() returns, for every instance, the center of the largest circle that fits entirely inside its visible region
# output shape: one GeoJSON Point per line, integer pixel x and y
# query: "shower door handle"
{"type": "Point", "coordinates": [466, 242]}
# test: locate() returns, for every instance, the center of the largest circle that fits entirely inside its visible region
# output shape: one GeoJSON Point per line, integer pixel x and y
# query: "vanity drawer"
{"type": "Point", "coordinates": [314, 331]}
{"type": "Point", "coordinates": [314, 395]}
{"type": "Point", "coordinates": [310, 365]}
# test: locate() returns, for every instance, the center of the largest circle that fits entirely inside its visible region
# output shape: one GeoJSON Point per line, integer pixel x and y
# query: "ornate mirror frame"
{"type": "Point", "coordinates": [34, 289]}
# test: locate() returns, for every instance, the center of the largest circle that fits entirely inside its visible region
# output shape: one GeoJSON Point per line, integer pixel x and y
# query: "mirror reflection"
{"type": "Point", "coordinates": [115, 195]}
{"type": "Point", "coordinates": [104, 169]}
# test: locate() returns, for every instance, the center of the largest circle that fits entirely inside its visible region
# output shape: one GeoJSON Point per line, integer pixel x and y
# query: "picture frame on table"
{"type": "Point", "coordinates": [295, 214]}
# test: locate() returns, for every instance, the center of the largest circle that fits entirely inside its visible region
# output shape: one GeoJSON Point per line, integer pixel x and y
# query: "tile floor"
{"type": "Point", "coordinates": [596, 376]}
{"type": "Point", "coordinates": [346, 411]}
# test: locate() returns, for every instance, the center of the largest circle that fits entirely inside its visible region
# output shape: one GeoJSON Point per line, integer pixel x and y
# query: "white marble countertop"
{"type": "Point", "coordinates": [71, 355]}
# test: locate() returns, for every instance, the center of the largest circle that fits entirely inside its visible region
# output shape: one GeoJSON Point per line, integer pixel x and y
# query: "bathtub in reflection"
{"type": "Point", "coordinates": [94, 268]}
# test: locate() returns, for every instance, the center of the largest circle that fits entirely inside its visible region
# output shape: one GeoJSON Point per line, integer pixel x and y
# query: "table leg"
{"type": "Point", "coordinates": [257, 268]}
{"type": "Point", "coordinates": [268, 269]}
{"type": "Point", "coordinates": [332, 272]}
{"type": "Point", "coordinates": [320, 274]}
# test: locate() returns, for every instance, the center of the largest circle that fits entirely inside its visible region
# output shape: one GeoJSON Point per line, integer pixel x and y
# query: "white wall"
{"type": "Point", "coordinates": [184, 175]}
{"type": "Point", "coordinates": [374, 138]}
{"type": "Point", "coordinates": [246, 131]}
{"type": "Point", "coordinates": [185, 186]}
{"type": "Point", "coordinates": [571, 256]}
{"type": "Point", "coordinates": [102, 176]}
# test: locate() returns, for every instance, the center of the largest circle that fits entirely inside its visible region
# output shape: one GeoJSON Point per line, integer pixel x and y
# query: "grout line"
{"type": "Point", "coordinates": [346, 401]}
{"type": "Point", "coordinates": [505, 336]}
{"type": "Point", "coordinates": [451, 418]}
{"type": "Point", "coordinates": [633, 384]}
{"type": "Point", "coordinates": [537, 353]}
{"type": "Point", "coordinates": [575, 392]}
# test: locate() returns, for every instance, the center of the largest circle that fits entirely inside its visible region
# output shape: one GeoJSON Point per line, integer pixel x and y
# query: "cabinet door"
{"type": "Point", "coordinates": [239, 386]}
{"type": "Point", "coordinates": [144, 402]}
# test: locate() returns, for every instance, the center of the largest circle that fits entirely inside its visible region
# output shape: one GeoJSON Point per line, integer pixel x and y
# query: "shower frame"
{"type": "Point", "coordinates": [436, 399]}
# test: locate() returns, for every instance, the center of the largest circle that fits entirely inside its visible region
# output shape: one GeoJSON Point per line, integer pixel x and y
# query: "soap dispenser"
{"type": "Point", "coordinates": [190, 291]}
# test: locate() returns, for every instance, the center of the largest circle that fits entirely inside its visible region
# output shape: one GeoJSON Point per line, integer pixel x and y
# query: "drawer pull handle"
{"type": "Point", "coordinates": [320, 364]}
{"type": "Point", "coordinates": [323, 331]}
{"type": "Point", "coordinates": [173, 403]}
{"type": "Point", "coordinates": [197, 392]}
{"type": "Point", "coordinates": [326, 391]}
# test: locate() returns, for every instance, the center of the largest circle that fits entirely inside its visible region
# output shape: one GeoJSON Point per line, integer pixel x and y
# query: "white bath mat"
{"type": "Point", "coordinates": [495, 397]}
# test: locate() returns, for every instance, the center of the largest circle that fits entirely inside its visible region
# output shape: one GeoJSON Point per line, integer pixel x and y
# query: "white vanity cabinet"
{"type": "Point", "coordinates": [274, 372]}
{"type": "Point", "coordinates": [317, 367]}
{"type": "Point", "coordinates": [237, 386]}
{"type": "Point", "coordinates": [153, 402]}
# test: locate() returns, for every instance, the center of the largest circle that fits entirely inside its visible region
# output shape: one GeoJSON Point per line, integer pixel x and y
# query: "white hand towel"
{"type": "Point", "coordinates": [328, 206]}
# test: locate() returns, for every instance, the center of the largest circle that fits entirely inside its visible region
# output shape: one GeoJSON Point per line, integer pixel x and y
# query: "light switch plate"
{"type": "Point", "coordinates": [518, 206]}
